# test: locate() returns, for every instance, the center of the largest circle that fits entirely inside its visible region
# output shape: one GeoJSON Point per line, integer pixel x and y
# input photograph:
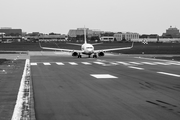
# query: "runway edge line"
{"type": "Point", "coordinates": [24, 108]}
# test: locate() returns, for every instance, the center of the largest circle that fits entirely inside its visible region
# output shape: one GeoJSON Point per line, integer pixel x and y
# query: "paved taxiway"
{"type": "Point", "coordinates": [120, 87]}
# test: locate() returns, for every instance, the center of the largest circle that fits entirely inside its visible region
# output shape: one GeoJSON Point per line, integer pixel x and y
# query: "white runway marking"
{"type": "Point", "coordinates": [109, 63]}
{"type": "Point", "coordinates": [73, 63]}
{"type": "Point", "coordinates": [86, 63]}
{"type": "Point", "coordinates": [171, 74]}
{"type": "Point", "coordinates": [138, 68]}
{"type": "Point", "coordinates": [33, 63]}
{"type": "Point", "coordinates": [160, 63]}
{"type": "Point", "coordinates": [148, 63]}
{"type": "Point", "coordinates": [100, 63]}
{"type": "Point", "coordinates": [124, 63]}
{"type": "Point", "coordinates": [103, 76]}
{"type": "Point", "coordinates": [45, 63]}
{"type": "Point", "coordinates": [152, 59]}
{"type": "Point", "coordinates": [135, 63]}
{"type": "Point", "coordinates": [174, 63]}
{"type": "Point", "coordinates": [59, 63]}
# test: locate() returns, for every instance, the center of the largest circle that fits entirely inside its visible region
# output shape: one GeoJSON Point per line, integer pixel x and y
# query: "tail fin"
{"type": "Point", "coordinates": [85, 41]}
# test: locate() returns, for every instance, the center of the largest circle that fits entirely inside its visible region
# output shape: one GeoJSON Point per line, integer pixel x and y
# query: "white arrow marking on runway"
{"type": "Point", "coordinates": [175, 75]}
{"type": "Point", "coordinates": [138, 68]}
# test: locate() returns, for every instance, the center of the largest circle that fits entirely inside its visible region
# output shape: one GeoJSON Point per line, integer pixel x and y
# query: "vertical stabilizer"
{"type": "Point", "coordinates": [85, 41]}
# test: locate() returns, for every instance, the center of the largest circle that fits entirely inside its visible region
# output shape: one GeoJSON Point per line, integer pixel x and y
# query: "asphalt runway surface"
{"type": "Point", "coordinates": [113, 87]}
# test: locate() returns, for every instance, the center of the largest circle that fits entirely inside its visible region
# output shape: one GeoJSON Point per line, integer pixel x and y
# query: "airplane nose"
{"type": "Point", "coordinates": [89, 50]}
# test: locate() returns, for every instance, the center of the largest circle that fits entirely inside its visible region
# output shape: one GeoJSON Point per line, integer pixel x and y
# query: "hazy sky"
{"type": "Point", "coordinates": [141, 16]}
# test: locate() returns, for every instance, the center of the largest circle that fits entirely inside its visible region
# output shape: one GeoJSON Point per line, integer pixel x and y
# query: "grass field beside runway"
{"type": "Point", "coordinates": [139, 48]}
{"type": "Point", "coordinates": [10, 77]}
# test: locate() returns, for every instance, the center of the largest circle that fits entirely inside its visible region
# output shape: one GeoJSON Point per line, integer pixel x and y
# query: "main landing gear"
{"type": "Point", "coordinates": [95, 56]}
{"type": "Point", "coordinates": [79, 55]}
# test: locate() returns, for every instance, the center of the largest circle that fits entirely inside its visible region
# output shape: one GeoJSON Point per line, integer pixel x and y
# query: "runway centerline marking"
{"type": "Point", "coordinates": [103, 76]}
{"type": "Point", "coordinates": [170, 74]}
{"type": "Point", "coordinates": [138, 68]}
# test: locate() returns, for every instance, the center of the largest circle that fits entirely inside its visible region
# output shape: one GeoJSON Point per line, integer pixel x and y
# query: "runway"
{"type": "Point", "coordinates": [114, 87]}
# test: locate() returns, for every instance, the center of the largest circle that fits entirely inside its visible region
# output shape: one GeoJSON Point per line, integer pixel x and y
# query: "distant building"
{"type": "Point", "coordinates": [149, 36]}
{"type": "Point", "coordinates": [52, 38]}
{"type": "Point", "coordinates": [171, 33]}
{"type": "Point", "coordinates": [9, 35]}
{"type": "Point", "coordinates": [11, 32]}
{"type": "Point", "coordinates": [128, 36]}
{"type": "Point", "coordinates": [77, 35]}
{"type": "Point", "coordinates": [107, 38]}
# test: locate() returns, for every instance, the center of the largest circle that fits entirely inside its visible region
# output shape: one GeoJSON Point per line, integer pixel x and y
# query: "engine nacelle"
{"type": "Point", "coordinates": [101, 54]}
{"type": "Point", "coordinates": [74, 54]}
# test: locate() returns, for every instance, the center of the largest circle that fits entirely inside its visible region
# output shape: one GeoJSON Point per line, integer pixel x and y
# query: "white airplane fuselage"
{"type": "Point", "coordinates": [87, 49]}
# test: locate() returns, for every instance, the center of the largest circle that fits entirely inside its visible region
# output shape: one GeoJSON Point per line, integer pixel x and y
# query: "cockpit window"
{"type": "Point", "coordinates": [89, 47]}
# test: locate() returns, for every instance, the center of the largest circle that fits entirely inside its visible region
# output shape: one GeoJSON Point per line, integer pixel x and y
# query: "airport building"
{"type": "Point", "coordinates": [11, 32]}
{"type": "Point", "coordinates": [171, 32]}
{"type": "Point", "coordinates": [77, 35]}
{"type": "Point", "coordinates": [46, 38]}
{"type": "Point", "coordinates": [52, 38]}
{"type": "Point", "coordinates": [107, 38]}
{"type": "Point", "coordinates": [128, 36]}
{"type": "Point", "coordinates": [9, 35]}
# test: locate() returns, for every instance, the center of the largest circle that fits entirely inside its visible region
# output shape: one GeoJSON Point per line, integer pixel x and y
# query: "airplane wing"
{"type": "Point", "coordinates": [81, 44]}
{"type": "Point", "coordinates": [74, 44]}
{"type": "Point", "coordinates": [112, 49]}
{"type": "Point", "coordinates": [96, 43]}
{"type": "Point", "coordinates": [60, 49]}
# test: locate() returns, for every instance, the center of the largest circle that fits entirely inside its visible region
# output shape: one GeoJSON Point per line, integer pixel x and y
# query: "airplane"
{"type": "Point", "coordinates": [87, 49]}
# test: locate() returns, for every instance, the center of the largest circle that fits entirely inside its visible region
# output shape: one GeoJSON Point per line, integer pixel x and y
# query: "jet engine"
{"type": "Point", "coordinates": [74, 54]}
{"type": "Point", "coordinates": [101, 54]}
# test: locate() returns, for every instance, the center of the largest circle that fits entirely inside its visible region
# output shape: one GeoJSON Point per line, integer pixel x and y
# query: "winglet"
{"type": "Point", "coordinates": [40, 45]}
{"type": "Point", "coordinates": [132, 45]}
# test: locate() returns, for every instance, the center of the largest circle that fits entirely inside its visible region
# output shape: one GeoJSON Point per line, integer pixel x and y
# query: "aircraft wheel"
{"type": "Point", "coordinates": [94, 56]}
{"type": "Point", "coordinates": [79, 56]}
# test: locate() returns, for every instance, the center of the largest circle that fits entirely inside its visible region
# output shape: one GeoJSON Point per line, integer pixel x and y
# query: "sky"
{"type": "Point", "coordinates": [59, 16]}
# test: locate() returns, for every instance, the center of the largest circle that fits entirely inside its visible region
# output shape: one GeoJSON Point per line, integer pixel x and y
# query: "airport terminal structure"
{"type": "Point", "coordinates": [8, 35]}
